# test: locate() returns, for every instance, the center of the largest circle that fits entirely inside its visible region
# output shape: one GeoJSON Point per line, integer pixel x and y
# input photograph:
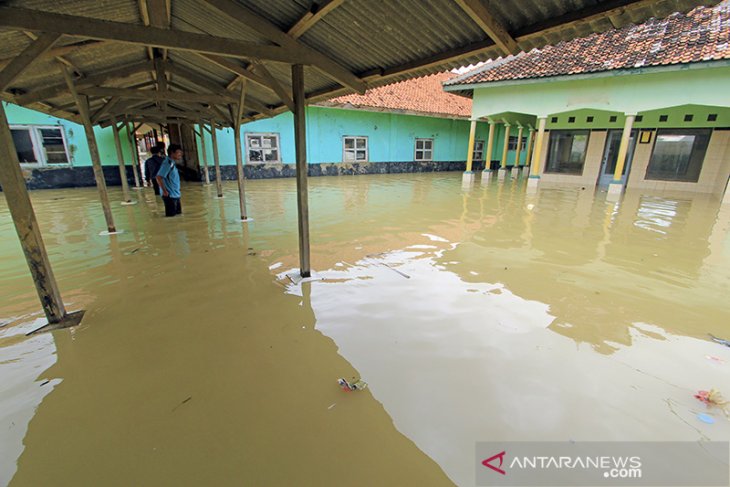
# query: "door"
{"type": "Point", "coordinates": [610, 155]}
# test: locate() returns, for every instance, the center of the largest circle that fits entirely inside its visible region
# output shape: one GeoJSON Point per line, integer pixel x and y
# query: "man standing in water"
{"type": "Point", "coordinates": [152, 165]}
{"type": "Point", "coordinates": [169, 180]}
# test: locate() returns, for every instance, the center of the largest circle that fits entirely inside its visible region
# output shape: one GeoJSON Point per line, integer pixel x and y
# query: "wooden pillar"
{"type": "Point", "coordinates": [216, 160]}
{"type": "Point", "coordinates": [120, 159]}
{"type": "Point", "coordinates": [300, 144]}
{"type": "Point", "coordinates": [135, 151]}
{"type": "Point", "coordinates": [83, 108]}
{"type": "Point", "coordinates": [21, 210]}
{"type": "Point", "coordinates": [205, 155]}
{"type": "Point", "coordinates": [241, 177]}
{"type": "Point", "coordinates": [470, 150]}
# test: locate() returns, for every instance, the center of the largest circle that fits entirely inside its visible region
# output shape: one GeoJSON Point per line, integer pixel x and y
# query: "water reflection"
{"type": "Point", "coordinates": [485, 314]}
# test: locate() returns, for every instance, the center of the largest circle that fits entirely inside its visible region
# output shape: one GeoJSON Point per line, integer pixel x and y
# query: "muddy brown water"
{"type": "Point", "coordinates": [480, 315]}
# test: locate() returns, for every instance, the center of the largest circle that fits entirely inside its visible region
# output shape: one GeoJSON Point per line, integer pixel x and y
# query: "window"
{"type": "Point", "coordinates": [355, 149]}
{"type": "Point", "coordinates": [571, 119]}
{"type": "Point", "coordinates": [678, 155]}
{"type": "Point", "coordinates": [40, 145]}
{"type": "Point", "coordinates": [512, 144]}
{"type": "Point", "coordinates": [612, 118]}
{"type": "Point", "coordinates": [263, 147]}
{"type": "Point", "coordinates": [712, 117]}
{"type": "Point", "coordinates": [554, 120]}
{"type": "Point", "coordinates": [424, 149]}
{"type": "Point", "coordinates": [639, 118]}
{"type": "Point", "coordinates": [567, 151]}
{"type": "Point", "coordinates": [589, 119]}
{"type": "Point", "coordinates": [688, 118]}
{"type": "Point", "coordinates": [478, 154]}
{"type": "Point", "coordinates": [663, 118]}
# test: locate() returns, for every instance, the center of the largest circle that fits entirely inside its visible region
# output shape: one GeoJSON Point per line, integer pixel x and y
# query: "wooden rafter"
{"type": "Point", "coordinates": [479, 13]}
{"type": "Point", "coordinates": [270, 31]}
{"type": "Point", "coordinates": [26, 19]}
{"type": "Point", "coordinates": [313, 16]}
{"type": "Point", "coordinates": [282, 92]}
{"type": "Point", "coordinates": [25, 58]}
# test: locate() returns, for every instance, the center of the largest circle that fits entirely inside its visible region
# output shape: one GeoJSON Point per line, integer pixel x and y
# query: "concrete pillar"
{"type": "Point", "coordinates": [726, 196]}
{"type": "Point", "coordinates": [516, 167]}
{"type": "Point", "coordinates": [82, 105]}
{"type": "Point", "coordinates": [616, 186]}
{"type": "Point", "coordinates": [537, 153]}
{"type": "Point", "coordinates": [120, 160]}
{"type": "Point", "coordinates": [135, 153]}
{"type": "Point", "coordinates": [468, 176]}
{"type": "Point", "coordinates": [216, 160]}
{"type": "Point", "coordinates": [206, 174]}
{"type": "Point", "coordinates": [487, 173]}
{"type": "Point", "coordinates": [300, 145]}
{"type": "Point", "coordinates": [503, 163]}
{"type": "Point", "coordinates": [26, 225]}
{"type": "Point", "coordinates": [530, 140]}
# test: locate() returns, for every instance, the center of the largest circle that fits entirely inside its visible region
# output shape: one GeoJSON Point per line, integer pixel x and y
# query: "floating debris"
{"type": "Point", "coordinates": [355, 385]}
{"type": "Point", "coordinates": [712, 358]}
{"type": "Point", "coordinates": [713, 398]}
{"type": "Point", "coordinates": [186, 400]}
{"type": "Point", "coordinates": [705, 418]}
{"type": "Point", "coordinates": [45, 382]}
{"type": "Point", "coordinates": [395, 270]}
{"type": "Point", "coordinates": [719, 340]}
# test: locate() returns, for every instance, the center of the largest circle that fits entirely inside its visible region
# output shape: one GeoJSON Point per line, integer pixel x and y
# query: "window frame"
{"type": "Point", "coordinates": [476, 151]}
{"type": "Point", "coordinates": [422, 149]}
{"type": "Point", "coordinates": [36, 139]}
{"type": "Point", "coordinates": [355, 149]}
{"type": "Point", "coordinates": [680, 131]}
{"type": "Point", "coordinates": [586, 132]}
{"type": "Point", "coordinates": [249, 135]}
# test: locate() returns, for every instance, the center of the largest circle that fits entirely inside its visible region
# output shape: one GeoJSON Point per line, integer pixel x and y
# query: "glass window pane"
{"type": "Point", "coordinates": [361, 143]}
{"type": "Point", "coordinates": [419, 155]}
{"type": "Point", "coordinates": [428, 144]}
{"type": "Point", "coordinates": [567, 151]}
{"type": "Point", "coordinates": [349, 143]}
{"type": "Point", "coordinates": [255, 156]}
{"type": "Point", "coordinates": [349, 156]}
{"type": "Point", "coordinates": [254, 142]}
{"type": "Point", "coordinates": [271, 140]}
{"type": "Point", "coordinates": [678, 155]}
{"type": "Point", "coordinates": [361, 155]}
{"type": "Point", "coordinates": [23, 145]}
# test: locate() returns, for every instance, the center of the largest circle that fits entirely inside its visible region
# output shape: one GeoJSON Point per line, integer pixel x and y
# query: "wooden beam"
{"type": "Point", "coordinates": [274, 83]}
{"type": "Point", "coordinates": [59, 51]}
{"type": "Point", "coordinates": [161, 79]}
{"type": "Point", "coordinates": [236, 68]}
{"type": "Point", "coordinates": [313, 16]}
{"type": "Point", "coordinates": [83, 108]}
{"type": "Point", "coordinates": [155, 95]}
{"type": "Point", "coordinates": [113, 101]}
{"type": "Point", "coordinates": [205, 154]}
{"type": "Point", "coordinates": [270, 31]}
{"type": "Point", "coordinates": [26, 225]}
{"type": "Point", "coordinates": [26, 19]}
{"type": "Point", "coordinates": [120, 161]}
{"type": "Point", "coordinates": [25, 58]}
{"type": "Point", "coordinates": [241, 179]}
{"type": "Point", "coordinates": [300, 147]}
{"type": "Point", "coordinates": [97, 79]}
{"type": "Point", "coordinates": [479, 13]}
{"type": "Point", "coordinates": [216, 160]}
{"type": "Point", "coordinates": [135, 152]}
{"type": "Point", "coordinates": [58, 58]}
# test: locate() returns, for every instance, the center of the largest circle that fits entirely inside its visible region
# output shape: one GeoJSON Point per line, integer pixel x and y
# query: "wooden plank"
{"type": "Point", "coordinates": [25, 58]}
{"type": "Point", "coordinates": [129, 124]}
{"type": "Point", "coordinates": [120, 161]}
{"type": "Point", "coordinates": [479, 13]}
{"type": "Point", "coordinates": [205, 154]}
{"type": "Point", "coordinates": [161, 80]}
{"type": "Point", "coordinates": [156, 95]}
{"type": "Point", "coordinates": [236, 68]}
{"type": "Point", "coordinates": [270, 31]}
{"type": "Point", "coordinates": [216, 160]}
{"type": "Point", "coordinates": [314, 15]}
{"type": "Point", "coordinates": [113, 101]}
{"type": "Point", "coordinates": [26, 19]}
{"type": "Point", "coordinates": [83, 108]}
{"type": "Point", "coordinates": [60, 51]}
{"type": "Point", "coordinates": [300, 147]}
{"type": "Point", "coordinates": [274, 83]}
{"type": "Point", "coordinates": [26, 225]}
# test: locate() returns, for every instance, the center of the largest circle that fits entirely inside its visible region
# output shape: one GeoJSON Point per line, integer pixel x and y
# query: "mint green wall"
{"type": "Point", "coordinates": [75, 137]}
{"type": "Point", "coordinates": [621, 92]}
{"type": "Point", "coordinates": [650, 119]}
{"type": "Point", "coordinates": [391, 136]}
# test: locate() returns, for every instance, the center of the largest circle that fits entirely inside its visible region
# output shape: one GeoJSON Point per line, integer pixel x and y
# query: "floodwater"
{"type": "Point", "coordinates": [481, 315]}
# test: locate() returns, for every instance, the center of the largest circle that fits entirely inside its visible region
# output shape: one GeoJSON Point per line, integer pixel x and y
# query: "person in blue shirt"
{"type": "Point", "coordinates": [168, 178]}
{"type": "Point", "coordinates": [152, 165]}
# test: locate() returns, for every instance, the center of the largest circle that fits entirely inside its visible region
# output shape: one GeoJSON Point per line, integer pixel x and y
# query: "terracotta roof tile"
{"type": "Point", "coordinates": [701, 35]}
{"type": "Point", "coordinates": [423, 95]}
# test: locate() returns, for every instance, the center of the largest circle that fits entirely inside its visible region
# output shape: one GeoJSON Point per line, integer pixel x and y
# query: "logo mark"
{"type": "Point", "coordinates": [487, 463]}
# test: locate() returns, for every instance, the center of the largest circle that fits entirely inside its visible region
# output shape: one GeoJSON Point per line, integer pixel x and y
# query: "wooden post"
{"type": "Point", "coordinates": [216, 161]}
{"type": "Point", "coordinates": [135, 153]}
{"type": "Point", "coordinates": [120, 159]}
{"type": "Point", "coordinates": [21, 210]}
{"type": "Point", "coordinates": [83, 107]}
{"type": "Point", "coordinates": [239, 153]}
{"type": "Point", "coordinates": [300, 144]}
{"type": "Point", "coordinates": [205, 155]}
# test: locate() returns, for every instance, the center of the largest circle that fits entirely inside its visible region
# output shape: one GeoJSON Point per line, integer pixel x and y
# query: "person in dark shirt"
{"type": "Point", "coordinates": [152, 165]}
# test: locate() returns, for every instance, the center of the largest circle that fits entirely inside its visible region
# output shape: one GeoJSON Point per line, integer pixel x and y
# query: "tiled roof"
{"type": "Point", "coordinates": [423, 95]}
{"type": "Point", "coordinates": [701, 35]}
